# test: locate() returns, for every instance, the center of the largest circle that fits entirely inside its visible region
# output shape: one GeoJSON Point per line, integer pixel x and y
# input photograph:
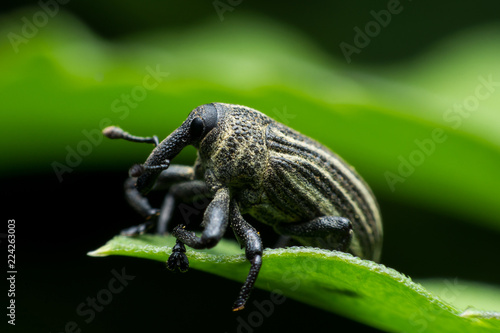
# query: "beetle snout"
{"type": "Point", "coordinates": [145, 183]}
{"type": "Point", "coordinates": [145, 179]}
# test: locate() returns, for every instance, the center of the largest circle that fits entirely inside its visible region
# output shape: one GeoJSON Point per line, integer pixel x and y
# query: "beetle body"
{"type": "Point", "coordinates": [280, 176]}
{"type": "Point", "coordinates": [250, 164]}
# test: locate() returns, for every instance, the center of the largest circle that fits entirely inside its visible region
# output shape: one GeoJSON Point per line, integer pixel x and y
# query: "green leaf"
{"type": "Point", "coordinates": [334, 281]}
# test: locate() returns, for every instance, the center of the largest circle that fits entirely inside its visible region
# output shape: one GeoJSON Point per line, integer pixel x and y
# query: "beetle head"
{"type": "Point", "coordinates": [194, 129]}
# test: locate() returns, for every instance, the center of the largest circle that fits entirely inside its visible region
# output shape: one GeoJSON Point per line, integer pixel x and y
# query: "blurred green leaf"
{"type": "Point", "coordinates": [334, 281]}
{"type": "Point", "coordinates": [465, 294]}
{"type": "Point", "coordinates": [64, 84]}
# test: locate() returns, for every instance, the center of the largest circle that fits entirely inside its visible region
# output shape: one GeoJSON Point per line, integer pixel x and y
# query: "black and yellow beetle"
{"type": "Point", "coordinates": [250, 164]}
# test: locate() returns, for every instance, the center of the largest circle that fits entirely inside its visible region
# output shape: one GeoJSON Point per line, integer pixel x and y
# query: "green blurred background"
{"type": "Point", "coordinates": [68, 70]}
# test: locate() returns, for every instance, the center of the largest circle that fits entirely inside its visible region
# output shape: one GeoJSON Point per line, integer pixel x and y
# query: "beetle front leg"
{"type": "Point", "coordinates": [187, 191]}
{"type": "Point", "coordinates": [215, 222]}
{"type": "Point", "coordinates": [249, 239]}
{"type": "Point", "coordinates": [327, 232]}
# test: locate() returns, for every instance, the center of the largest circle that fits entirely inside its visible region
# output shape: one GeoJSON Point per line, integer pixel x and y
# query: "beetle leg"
{"type": "Point", "coordinates": [215, 222]}
{"type": "Point", "coordinates": [175, 174]}
{"type": "Point", "coordinates": [140, 204]}
{"type": "Point", "coordinates": [250, 239]}
{"type": "Point", "coordinates": [191, 191]}
{"type": "Point", "coordinates": [187, 191]}
{"type": "Point", "coordinates": [327, 232]}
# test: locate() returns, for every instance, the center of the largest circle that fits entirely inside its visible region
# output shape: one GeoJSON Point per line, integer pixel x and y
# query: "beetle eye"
{"type": "Point", "coordinates": [197, 128]}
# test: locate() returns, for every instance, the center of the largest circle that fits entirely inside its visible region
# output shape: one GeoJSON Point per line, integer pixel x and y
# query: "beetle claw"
{"type": "Point", "coordinates": [178, 259]}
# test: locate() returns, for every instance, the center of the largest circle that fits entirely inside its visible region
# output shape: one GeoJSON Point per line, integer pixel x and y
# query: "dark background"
{"type": "Point", "coordinates": [58, 223]}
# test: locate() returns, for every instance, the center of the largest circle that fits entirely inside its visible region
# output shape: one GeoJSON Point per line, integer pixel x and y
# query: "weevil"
{"type": "Point", "coordinates": [251, 165]}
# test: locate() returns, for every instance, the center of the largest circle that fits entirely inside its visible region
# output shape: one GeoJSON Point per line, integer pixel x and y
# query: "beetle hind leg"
{"type": "Point", "coordinates": [327, 232]}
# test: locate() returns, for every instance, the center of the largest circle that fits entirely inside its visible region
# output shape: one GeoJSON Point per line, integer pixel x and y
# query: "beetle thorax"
{"type": "Point", "coordinates": [235, 151]}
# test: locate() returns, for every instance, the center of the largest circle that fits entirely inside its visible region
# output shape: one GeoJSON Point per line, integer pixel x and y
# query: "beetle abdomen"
{"type": "Point", "coordinates": [306, 180]}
